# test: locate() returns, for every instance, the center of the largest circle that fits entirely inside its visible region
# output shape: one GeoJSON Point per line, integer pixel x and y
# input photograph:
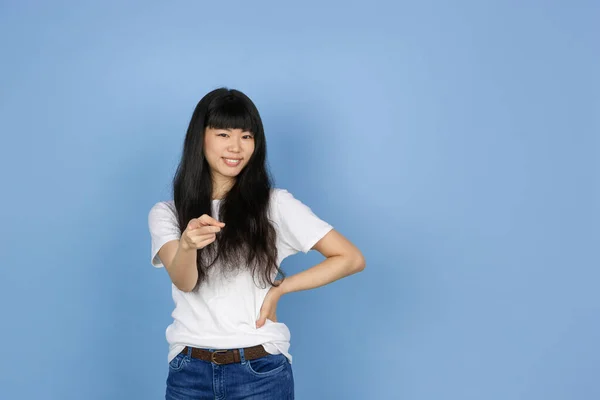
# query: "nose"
{"type": "Point", "coordinates": [235, 145]}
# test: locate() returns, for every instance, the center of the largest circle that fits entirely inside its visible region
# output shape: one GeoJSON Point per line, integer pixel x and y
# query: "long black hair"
{"type": "Point", "coordinates": [248, 238]}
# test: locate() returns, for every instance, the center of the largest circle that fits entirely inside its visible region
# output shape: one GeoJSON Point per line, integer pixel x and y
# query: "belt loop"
{"type": "Point", "coordinates": [189, 351]}
{"type": "Point", "coordinates": [242, 358]}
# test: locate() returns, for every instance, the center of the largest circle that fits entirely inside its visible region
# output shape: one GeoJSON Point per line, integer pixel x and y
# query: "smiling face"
{"type": "Point", "coordinates": [227, 152]}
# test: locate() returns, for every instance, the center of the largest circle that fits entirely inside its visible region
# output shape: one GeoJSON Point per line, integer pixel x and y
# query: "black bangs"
{"type": "Point", "coordinates": [231, 112]}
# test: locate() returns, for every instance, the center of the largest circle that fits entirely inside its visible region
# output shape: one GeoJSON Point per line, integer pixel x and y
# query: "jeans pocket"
{"type": "Point", "coordinates": [178, 362]}
{"type": "Point", "coordinates": [267, 365]}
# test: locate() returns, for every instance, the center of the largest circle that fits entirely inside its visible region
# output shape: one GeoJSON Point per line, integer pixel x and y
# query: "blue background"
{"type": "Point", "coordinates": [455, 143]}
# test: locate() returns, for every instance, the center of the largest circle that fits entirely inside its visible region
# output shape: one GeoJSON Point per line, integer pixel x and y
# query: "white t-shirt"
{"type": "Point", "coordinates": [222, 313]}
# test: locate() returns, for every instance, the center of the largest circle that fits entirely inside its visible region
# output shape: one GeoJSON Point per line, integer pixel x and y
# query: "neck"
{"type": "Point", "coordinates": [221, 187]}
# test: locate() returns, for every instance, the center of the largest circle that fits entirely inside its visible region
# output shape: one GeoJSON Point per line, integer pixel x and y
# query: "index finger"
{"type": "Point", "coordinates": [208, 220]}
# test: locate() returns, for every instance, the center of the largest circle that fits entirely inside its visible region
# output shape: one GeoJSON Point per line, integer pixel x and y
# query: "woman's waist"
{"type": "Point", "coordinates": [222, 337]}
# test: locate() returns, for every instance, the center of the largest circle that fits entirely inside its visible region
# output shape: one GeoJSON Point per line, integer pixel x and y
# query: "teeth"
{"type": "Point", "coordinates": [232, 161]}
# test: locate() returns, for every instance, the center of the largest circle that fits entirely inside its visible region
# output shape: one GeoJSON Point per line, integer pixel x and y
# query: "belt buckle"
{"type": "Point", "coordinates": [212, 356]}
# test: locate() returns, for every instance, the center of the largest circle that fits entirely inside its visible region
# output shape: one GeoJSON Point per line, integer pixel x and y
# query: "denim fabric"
{"type": "Point", "coordinates": [266, 378]}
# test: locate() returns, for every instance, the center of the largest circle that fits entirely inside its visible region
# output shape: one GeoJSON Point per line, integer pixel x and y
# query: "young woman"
{"type": "Point", "coordinates": [221, 240]}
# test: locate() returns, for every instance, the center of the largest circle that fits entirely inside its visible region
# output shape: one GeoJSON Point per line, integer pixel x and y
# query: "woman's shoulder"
{"type": "Point", "coordinates": [279, 195]}
{"type": "Point", "coordinates": [275, 192]}
{"type": "Point", "coordinates": [283, 201]}
{"type": "Point", "coordinates": [163, 207]}
{"type": "Point", "coordinates": [164, 204]}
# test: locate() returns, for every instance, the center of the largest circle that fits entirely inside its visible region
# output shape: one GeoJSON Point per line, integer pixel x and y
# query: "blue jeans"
{"type": "Point", "coordinates": [265, 378]}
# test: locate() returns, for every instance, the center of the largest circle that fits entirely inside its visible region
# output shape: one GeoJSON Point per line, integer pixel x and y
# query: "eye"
{"type": "Point", "coordinates": [248, 137]}
{"type": "Point", "coordinates": [222, 134]}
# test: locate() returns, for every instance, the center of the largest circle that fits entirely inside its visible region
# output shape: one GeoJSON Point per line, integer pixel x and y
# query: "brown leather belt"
{"type": "Point", "coordinates": [227, 356]}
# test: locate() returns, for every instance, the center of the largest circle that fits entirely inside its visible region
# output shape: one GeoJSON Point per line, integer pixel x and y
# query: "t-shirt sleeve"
{"type": "Point", "coordinates": [299, 227]}
{"type": "Point", "coordinates": [163, 225]}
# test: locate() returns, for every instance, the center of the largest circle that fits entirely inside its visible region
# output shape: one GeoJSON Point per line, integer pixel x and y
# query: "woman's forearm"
{"type": "Point", "coordinates": [182, 269]}
{"type": "Point", "coordinates": [329, 270]}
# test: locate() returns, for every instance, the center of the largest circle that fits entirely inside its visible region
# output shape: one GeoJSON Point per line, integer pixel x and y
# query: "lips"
{"type": "Point", "coordinates": [232, 162]}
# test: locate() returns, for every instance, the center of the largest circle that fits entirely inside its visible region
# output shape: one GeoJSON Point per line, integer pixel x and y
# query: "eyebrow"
{"type": "Point", "coordinates": [231, 130]}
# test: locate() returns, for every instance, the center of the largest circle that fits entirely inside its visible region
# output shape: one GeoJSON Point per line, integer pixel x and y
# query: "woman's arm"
{"type": "Point", "coordinates": [179, 256]}
{"type": "Point", "coordinates": [342, 259]}
{"type": "Point", "coordinates": [180, 262]}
